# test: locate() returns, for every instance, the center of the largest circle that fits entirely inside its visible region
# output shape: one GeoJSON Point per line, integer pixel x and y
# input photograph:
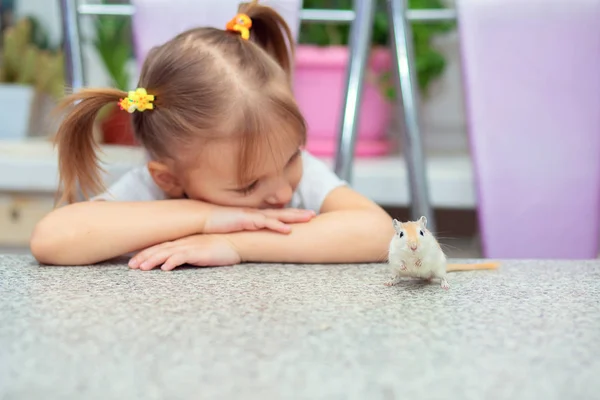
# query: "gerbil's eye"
{"type": "Point", "coordinates": [421, 232]}
{"type": "Point", "coordinates": [401, 234]}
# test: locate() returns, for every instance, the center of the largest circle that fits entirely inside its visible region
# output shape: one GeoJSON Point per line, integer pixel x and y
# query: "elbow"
{"type": "Point", "coordinates": [39, 248]}
{"type": "Point", "coordinates": [373, 235]}
{"type": "Point", "coordinates": [50, 241]}
{"type": "Point", "coordinates": [380, 222]}
{"type": "Point", "coordinates": [381, 234]}
{"type": "Point", "coordinates": [42, 244]}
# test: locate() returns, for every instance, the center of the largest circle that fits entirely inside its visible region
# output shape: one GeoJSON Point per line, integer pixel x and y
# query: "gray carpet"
{"type": "Point", "coordinates": [529, 330]}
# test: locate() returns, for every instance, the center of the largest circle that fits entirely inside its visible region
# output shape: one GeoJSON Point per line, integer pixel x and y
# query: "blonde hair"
{"type": "Point", "coordinates": [207, 83]}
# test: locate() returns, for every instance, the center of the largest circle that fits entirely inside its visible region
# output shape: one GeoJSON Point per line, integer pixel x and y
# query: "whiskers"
{"type": "Point", "coordinates": [445, 246]}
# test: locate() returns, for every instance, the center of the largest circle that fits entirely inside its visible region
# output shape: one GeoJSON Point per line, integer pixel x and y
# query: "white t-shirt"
{"type": "Point", "coordinates": [318, 180]}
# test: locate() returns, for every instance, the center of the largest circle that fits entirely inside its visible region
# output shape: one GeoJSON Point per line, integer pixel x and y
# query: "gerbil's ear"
{"type": "Point", "coordinates": [397, 225]}
{"type": "Point", "coordinates": [423, 222]}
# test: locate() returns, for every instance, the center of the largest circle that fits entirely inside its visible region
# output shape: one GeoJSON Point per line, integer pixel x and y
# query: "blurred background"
{"type": "Point", "coordinates": [507, 96]}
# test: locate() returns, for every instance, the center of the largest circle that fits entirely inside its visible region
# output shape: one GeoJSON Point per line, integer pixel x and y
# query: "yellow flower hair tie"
{"type": "Point", "coordinates": [240, 23]}
{"type": "Point", "coordinates": [138, 100]}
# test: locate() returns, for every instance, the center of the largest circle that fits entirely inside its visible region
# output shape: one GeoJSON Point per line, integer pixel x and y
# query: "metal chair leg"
{"type": "Point", "coordinates": [401, 44]}
{"type": "Point", "coordinates": [72, 45]}
{"type": "Point", "coordinates": [359, 45]}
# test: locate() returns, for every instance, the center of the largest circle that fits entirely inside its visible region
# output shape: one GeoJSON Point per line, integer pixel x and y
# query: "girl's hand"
{"type": "Point", "coordinates": [200, 250]}
{"type": "Point", "coordinates": [234, 219]}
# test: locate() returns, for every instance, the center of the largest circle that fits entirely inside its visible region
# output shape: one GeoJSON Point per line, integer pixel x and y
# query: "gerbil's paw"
{"type": "Point", "coordinates": [418, 263]}
{"type": "Point", "coordinates": [392, 282]}
{"type": "Point", "coordinates": [403, 266]}
{"type": "Point", "coordinates": [445, 284]}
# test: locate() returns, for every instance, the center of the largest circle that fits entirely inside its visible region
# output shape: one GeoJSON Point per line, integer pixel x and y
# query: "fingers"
{"type": "Point", "coordinates": [171, 258]}
{"type": "Point", "coordinates": [155, 259]}
{"type": "Point", "coordinates": [255, 221]}
{"type": "Point", "coordinates": [171, 255]}
{"type": "Point", "coordinates": [277, 220]}
{"type": "Point", "coordinates": [173, 262]}
{"type": "Point", "coordinates": [167, 258]}
{"type": "Point", "coordinates": [226, 220]}
{"type": "Point", "coordinates": [289, 215]}
{"type": "Point", "coordinates": [151, 257]}
{"type": "Point", "coordinates": [275, 225]}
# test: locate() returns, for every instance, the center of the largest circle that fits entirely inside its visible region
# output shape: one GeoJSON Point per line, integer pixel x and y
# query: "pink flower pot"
{"type": "Point", "coordinates": [319, 86]}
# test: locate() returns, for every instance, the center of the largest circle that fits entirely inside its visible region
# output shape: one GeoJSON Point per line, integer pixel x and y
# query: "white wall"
{"type": "Point", "coordinates": [48, 12]}
{"type": "Point", "coordinates": [443, 112]}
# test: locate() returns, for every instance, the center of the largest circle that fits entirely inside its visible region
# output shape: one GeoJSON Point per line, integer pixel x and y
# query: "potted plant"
{"type": "Point", "coordinates": [31, 76]}
{"type": "Point", "coordinates": [113, 43]}
{"type": "Point", "coordinates": [320, 73]}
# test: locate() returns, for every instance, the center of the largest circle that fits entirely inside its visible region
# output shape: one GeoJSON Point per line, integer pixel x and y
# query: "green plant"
{"type": "Point", "coordinates": [24, 62]}
{"type": "Point", "coordinates": [113, 43]}
{"type": "Point", "coordinates": [429, 62]}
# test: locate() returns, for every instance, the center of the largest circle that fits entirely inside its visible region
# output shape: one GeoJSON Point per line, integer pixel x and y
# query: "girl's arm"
{"type": "Point", "coordinates": [350, 229]}
{"type": "Point", "coordinates": [94, 231]}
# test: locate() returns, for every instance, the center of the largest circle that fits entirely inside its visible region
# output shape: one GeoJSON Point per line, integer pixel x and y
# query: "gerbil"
{"type": "Point", "coordinates": [415, 252]}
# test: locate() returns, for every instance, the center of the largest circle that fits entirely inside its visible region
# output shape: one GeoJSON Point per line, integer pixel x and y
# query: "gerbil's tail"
{"type": "Point", "coordinates": [471, 267]}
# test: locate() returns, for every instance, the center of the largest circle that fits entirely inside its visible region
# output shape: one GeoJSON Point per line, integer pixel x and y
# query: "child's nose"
{"type": "Point", "coordinates": [282, 195]}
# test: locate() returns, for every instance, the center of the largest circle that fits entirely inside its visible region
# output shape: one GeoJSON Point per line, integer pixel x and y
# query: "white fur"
{"type": "Point", "coordinates": [427, 262]}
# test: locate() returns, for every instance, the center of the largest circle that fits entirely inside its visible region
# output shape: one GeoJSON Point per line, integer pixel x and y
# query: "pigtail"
{"type": "Point", "coordinates": [271, 32]}
{"type": "Point", "coordinates": [77, 158]}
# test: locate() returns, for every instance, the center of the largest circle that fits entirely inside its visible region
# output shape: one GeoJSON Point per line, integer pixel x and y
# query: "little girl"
{"type": "Point", "coordinates": [227, 180]}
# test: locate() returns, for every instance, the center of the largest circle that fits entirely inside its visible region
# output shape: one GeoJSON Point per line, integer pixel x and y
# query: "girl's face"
{"type": "Point", "coordinates": [213, 177]}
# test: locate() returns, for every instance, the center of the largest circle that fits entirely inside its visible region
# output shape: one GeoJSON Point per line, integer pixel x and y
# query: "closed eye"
{"type": "Point", "coordinates": [251, 187]}
{"type": "Point", "coordinates": [294, 157]}
{"type": "Point", "coordinates": [248, 189]}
